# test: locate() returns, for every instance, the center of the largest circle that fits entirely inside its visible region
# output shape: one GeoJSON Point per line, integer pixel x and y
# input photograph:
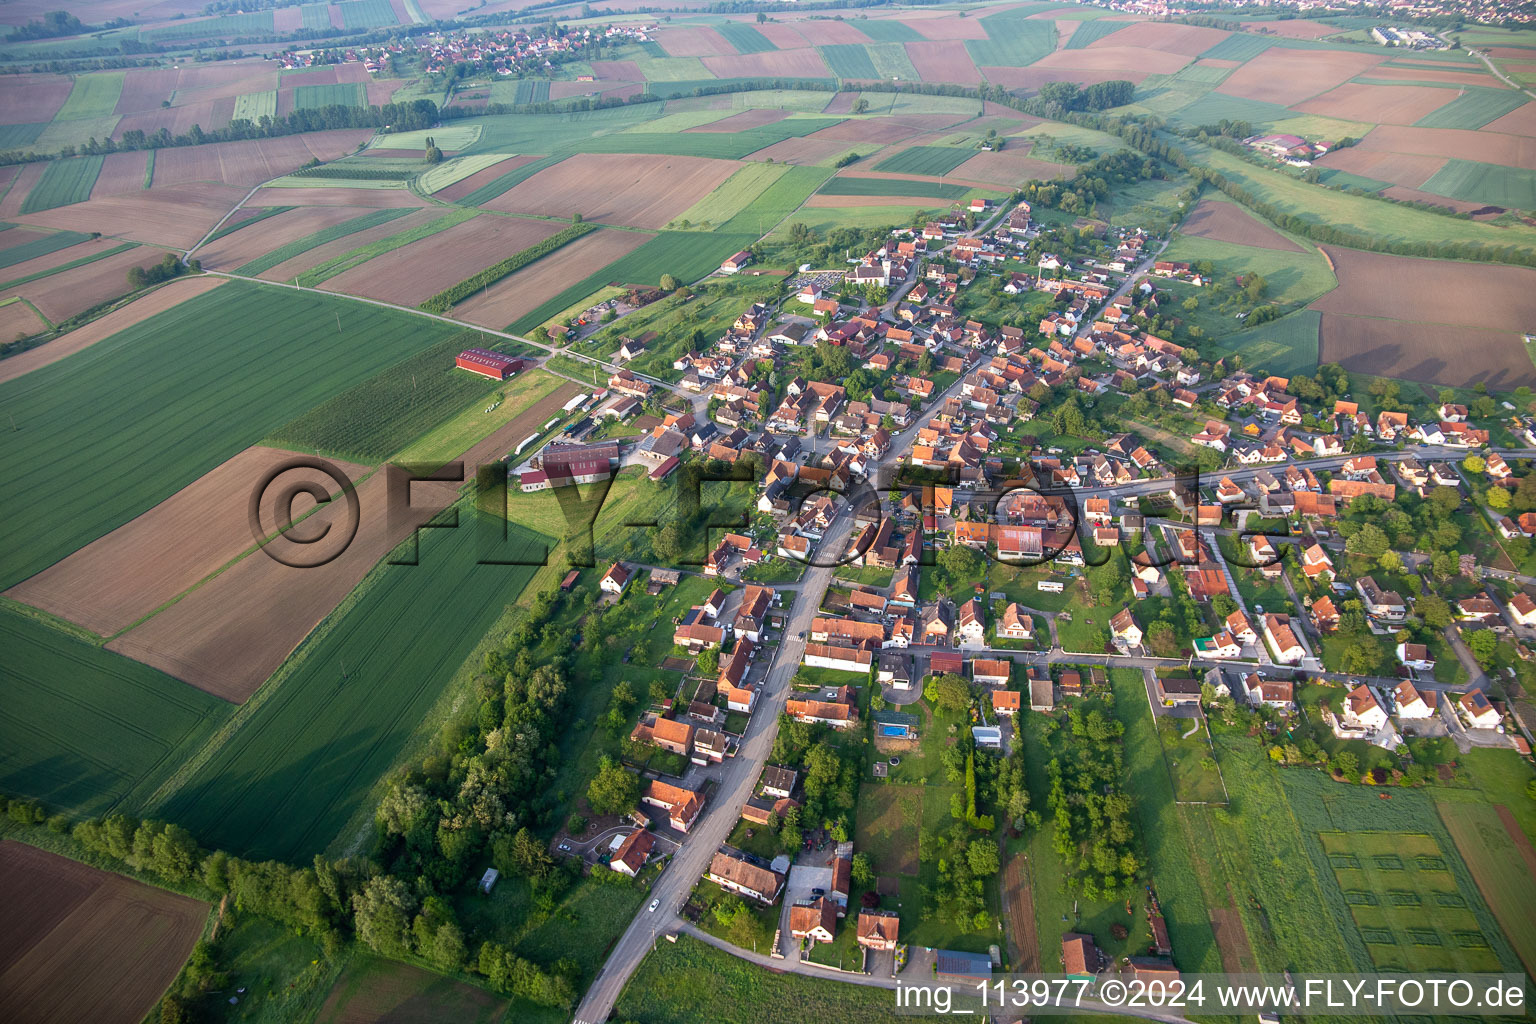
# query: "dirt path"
{"type": "Point", "coordinates": [1232, 939]}
{"type": "Point", "coordinates": [1518, 837]}
{"type": "Point", "coordinates": [1021, 914]}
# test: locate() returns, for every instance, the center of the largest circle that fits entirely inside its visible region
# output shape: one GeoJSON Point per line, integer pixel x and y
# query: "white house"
{"type": "Point", "coordinates": [1282, 639]}
{"type": "Point", "coordinates": [1362, 710]}
{"type": "Point", "coordinates": [1410, 703]}
{"type": "Point", "coordinates": [616, 579]}
{"type": "Point", "coordinates": [1126, 632]}
{"type": "Point", "coordinates": [1416, 657]}
{"type": "Point", "coordinates": [1477, 711]}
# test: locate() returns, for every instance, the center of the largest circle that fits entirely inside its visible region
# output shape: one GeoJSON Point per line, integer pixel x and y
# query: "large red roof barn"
{"type": "Point", "coordinates": [488, 364]}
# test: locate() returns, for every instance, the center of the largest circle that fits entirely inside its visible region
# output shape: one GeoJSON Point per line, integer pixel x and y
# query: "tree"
{"type": "Point", "coordinates": [1483, 643]}
{"type": "Point", "coordinates": [948, 692]}
{"type": "Point", "coordinates": [383, 913]}
{"type": "Point", "coordinates": [1474, 464]}
{"type": "Point", "coordinates": [1497, 498]}
{"type": "Point", "coordinates": [1434, 610]}
{"type": "Point", "coordinates": [981, 857]}
{"type": "Point", "coordinates": [762, 19]}
{"type": "Point", "coordinates": [1223, 605]}
{"type": "Point", "coordinates": [962, 565]}
{"type": "Point", "coordinates": [1162, 640]}
{"type": "Point", "coordinates": [613, 790]}
{"type": "Point", "coordinates": [863, 870]}
{"type": "Point", "coordinates": [1368, 541]}
{"type": "Point", "coordinates": [669, 283]}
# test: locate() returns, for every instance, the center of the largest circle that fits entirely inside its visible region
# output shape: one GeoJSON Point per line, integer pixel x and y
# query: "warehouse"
{"type": "Point", "coordinates": [488, 364]}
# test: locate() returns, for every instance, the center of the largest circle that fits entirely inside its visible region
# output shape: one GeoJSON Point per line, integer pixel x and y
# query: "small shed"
{"type": "Point", "coordinates": [488, 880]}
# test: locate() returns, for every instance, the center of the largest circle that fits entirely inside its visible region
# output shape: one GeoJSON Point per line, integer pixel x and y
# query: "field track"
{"type": "Point", "coordinates": [229, 635]}
{"type": "Point", "coordinates": [1020, 909]}
{"type": "Point", "coordinates": [86, 945]}
{"type": "Point", "coordinates": [157, 301]}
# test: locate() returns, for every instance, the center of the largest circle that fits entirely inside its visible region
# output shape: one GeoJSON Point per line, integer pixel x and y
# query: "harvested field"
{"type": "Point", "coordinates": [1472, 295]}
{"type": "Point", "coordinates": [633, 191]}
{"type": "Point", "coordinates": [944, 60]}
{"type": "Point", "coordinates": [804, 151]}
{"type": "Point", "coordinates": [69, 292]}
{"type": "Point", "coordinates": [116, 580]}
{"type": "Point", "coordinates": [1520, 121]}
{"type": "Point", "coordinates": [121, 172]}
{"type": "Point", "coordinates": [18, 321]}
{"type": "Point", "coordinates": [740, 122]}
{"type": "Point", "coordinates": [32, 99]}
{"type": "Point", "coordinates": [1405, 169]}
{"type": "Point", "coordinates": [373, 990]}
{"type": "Point", "coordinates": [240, 247]}
{"type": "Point", "coordinates": [1483, 146]}
{"type": "Point", "coordinates": [1283, 76]}
{"type": "Point", "coordinates": [66, 917]}
{"type": "Point", "coordinates": [694, 41]}
{"type": "Point", "coordinates": [806, 63]}
{"type": "Point", "coordinates": [1228, 222]}
{"type": "Point", "coordinates": [525, 290]}
{"type": "Point", "coordinates": [142, 308]}
{"type": "Point", "coordinates": [176, 217]}
{"type": "Point", "coordinates": [306, 261]}
{"type": "Point", "coordinates": [415, 272]}
{"type": "Point", "coordinates": [1010, 166]}
{"type": "Point", "coordinates": [1377, 104]}
{"type": "Point", "coordinates": [253, 161]}
{"type": "Point", "coordinates": [1435, 353]}
{"type": "Point", "coordinates": [229, 635]}
{"type": "Point", "coordinates": [616, 71]}
{"type": "Point", "coordinates": [1164, 37]}
{"type": "Point", "coordinates": [373, 198]}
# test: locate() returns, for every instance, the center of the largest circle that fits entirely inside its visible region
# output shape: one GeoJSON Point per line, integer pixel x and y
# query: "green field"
{"type": "Point", "coordinates": [344, 94]}
{"type": "Point", "coordinates": [374, 419]}
{"type": "Point", "coordinates": [1092, 32]}
{"type": "Point", "coordinates": [1473, 109]}
{"type": "Point", "coordinates": [1287, 346]}
{"type": "Point", "coordinates": [1239, 47]}
{"type": "Point", "coordinates": [317, 17]}
{"type": "Point", "coordinates": [521, 90]}
{"type": "Point", "coordinates": [1499, 870]}
{"type": "Point", "coordinates": [86, 730]}
{"type": "Point", "coordinates": [363, 253]}
{"type": "Point", "coordinates": [1485, 183]}
{"type": "Point", "coordinates": [110, 250]}
{"type": "Point", "coordinates": [39, 247]}
{"type": "Point", "coordinates": [662, 68]}
{"type": "Point", "coordinates": [745, 38]}
{"type": "Point", "coordinates": [253, 106]}
{"type": "Point", "coordinates": [891, 187]}
{"type": "Point", "coordinates": [935, 160]}
{"type": "Point", "coordinates": [450, 172]}
{"type": "Point", "coordinates": [311, 744]}
{"type": "Point", "coordinates": [101, 436]}
{"type": "Point", "coordinates": [733, 195]}
{"type": "Point", "coordinates": [92, 96]}
{"type": "Point", "coordinates": [299, 246]}
{"type": "Point", "coordinates": [849, 60]}
{"type": "Point", "coordinates": [1295, 278]}
{"type": "Point", "coordinates": [449, 138]}
{"type": "Point", "coordinates": [20, 136]}
{"type": "Point", "coordinates": [1214, 107]}
{"type": "Point", "coordinates": [367, 13]}
{"type": "Point", "coordinates": [63, 182]}
{"type": "Point", "coordinates": [228, 26]}
{"type": "Point", "coordinates": [686, 255]}
{"type": "Point", "coordinates": [1012, 42]}
{"type": "Point", "coordinates": [783, 197]}
{"type": "Point", "coordinates": [888, 31]}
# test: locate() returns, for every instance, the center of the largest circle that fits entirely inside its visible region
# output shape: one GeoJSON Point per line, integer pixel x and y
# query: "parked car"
{"type": "Point", "coordinates": [654, 904]}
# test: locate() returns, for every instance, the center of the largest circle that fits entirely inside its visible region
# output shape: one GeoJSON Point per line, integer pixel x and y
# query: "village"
{"type": "Point", "coordinates": [935, 562]}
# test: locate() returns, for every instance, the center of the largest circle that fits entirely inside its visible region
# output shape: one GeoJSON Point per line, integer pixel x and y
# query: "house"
{"type": "Point", "coordinates": [1042, 693]}
{"type": "Point", "coordinates": [1275, 693]}
{"type": "Point", "coordinates": [1386, 605]}
{"type": "Point", "coordinates": [1362, 710]}
{"type": "Point", "coordinates": [1522, 609]}
{"type": "Point", "coordinates": [1017, 625]}
{"type": "Point", "coordinates": [683, 806]}
{"type": "Point", "coordinates": [844, 659]}
{"type": "Point", "coordinates": [1006, 702]}
{"type": "Point", "coordinates": [1477, 711]}
{"type": "Point", "coordinates": [486, 363]}
{"type": "Point", "coordinates": [753, 611]}
{"type": "Point", "coordinates": [633, 852]}
{"type": "Point", "coordinates": [666, 733]}
{"type": "Point", "coordinates": [731, 870]}
{"type": "Point", "coordinates": [833, 706]}
{"type": "Point", "coordinates": [1178, 690]}
{"type": "Point", "coordinates": [778, 781]}
{"type": "Point", "coordinates": [1410, 703]}
{"type": "Point", "coordinates": [966, 966]}
{"type": "Point", "coordinates": [991, 672]}
{"type": "Point", "coordinates": [1316, 564]}
{"type": "Point", "coordinates": [1080, 958]}
{"type": "Point", "coordinates": [878, 929]}
{"type": "Point", "coordinates": [1287, 650]}
{"type": "Point", "coordinates": [1478, 609]}
{"type": "Point", "coordinates": [1416, 657]}
{"type": "Point", "coordinates": [1240, 628]}
{"type": "Point", "coordinates": [971, 630]}
{"type": "Point", "coordinates": [1124, 629]}
{"type": "Point", "coordinates": [1325, 616]}
{"type": "Point", "coordinates": [616, 579]}
{"type": "Point", "coordinates": [816, 920]}
{"type": "Point", "coordinates": [1222, 645]}
{"type": "Point", "coordinates": [736, 262]}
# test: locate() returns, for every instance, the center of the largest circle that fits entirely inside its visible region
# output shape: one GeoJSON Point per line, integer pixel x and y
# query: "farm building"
{"type": "Point", "coordinates": [736, 262]}
{"type": "Point", "coordinates": [488, 364]}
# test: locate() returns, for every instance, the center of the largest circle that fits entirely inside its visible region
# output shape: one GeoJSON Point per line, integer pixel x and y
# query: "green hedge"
{"type": "Point", "coordinates": [445, 300]}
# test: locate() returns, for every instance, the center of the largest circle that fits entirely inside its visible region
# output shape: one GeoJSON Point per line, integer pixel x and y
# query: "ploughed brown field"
{"type": "Point", "coordinates": [1378, 104]}
{"type": "Point", "coordinates": [240, 247]}
{"type": "Point", "coordinates": [18, 321]}
{"type": "Point", "coordinates": [1289, 76]}
{"type": "Point", "coordinates": [804, 63]}
{"type": "Point", "coordinates": [1486, 146]}
{"type": "Point", "coordinates": [519, 293]}
{"type": "Point", "coordinates": [121, 172]}
{"type": "Point", "coordinates": [179, 216]}
{"type": "Point", "coordinates": [463, 187]}
{"type": "Point", "coordinates": [408, 275]}
{"type": "Point", "coordinates": [943, 60]}
{"type": "Point", "coordinates": [1228, 222]}
{"type": "Point", "coordinates": [230, 634]}
{"type": "Point", "coordinates": [86, 945]}
{"type": "Point", "coordinates": [1407, 169]}
{"type": "Point", "coordinates": [114, 581]}
{"type": "Point", "coordinates": [250, 162]}
{"type": "Point", "coordinates": [289, 269]}
{"type": "Point", "coordinates": [694, 41]}
{"type": "Point", "coordinates": [1431, 320]}
{"type": "Point", "coordinates": [641, 191]}
{"type": "Point", "coordinates": [142, 308]}
{"type": "Point", "coordinates": [63, 295]}
{"type": "Point", "coordinates": [755, 118]}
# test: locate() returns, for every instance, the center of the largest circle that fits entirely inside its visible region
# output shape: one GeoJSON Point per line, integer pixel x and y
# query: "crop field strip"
{"type": "Point", "coordinates": [232, 225]}
{"type": "Point", "coordinates": [744, 38]}
{"type": "Point", "coordinates": [31, 250]}
{"type": "Point", "coordinates": [287, 252]}
{"type": "Point", "coordinates": [294, 771]}
{"type": "Point", "coordinates": [93, 95]}
{"type": "Point", "coordinates": [1473, 109]}
{"type": "Point", "coordinates": [843, 186]}
{"type": "Point", "coordinates": [279, 353]}
{"type": "Point", "coordinates": [1509, 187]}
{"type": "Point", "coordinates": [63, 183]}
{"type": "Point", "coordinates": [929, 160]}
{"type": "Point", "coordinates": [1012, 42]}
{"type": "Point", "coordinates": [849, 60]}
{"type": "Point", "coordinates": [887, 30]}
{"type": "Point", "coordinates": [87, 730]}
{"type": "Point", "coordinates": [741, 190]}
{"type": "Point", "coordinates": [343, 94]}
{"type": "Point", "coordinates": [1092, 32]}
{"type": "Point", "coordinates": [447, 298]}
{"type": "Point", "coordinates": [347, 261]}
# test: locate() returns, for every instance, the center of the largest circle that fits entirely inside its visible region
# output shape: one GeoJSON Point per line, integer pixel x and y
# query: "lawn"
{"type": "Point", "coordinates": [890, 817]}
{"type": "Point", "coordinates": [1472, 109]}
{"type": "Point", "coordinates": [228, 365]}
{"type": "Point", "coordinates": [754, 931]}
{"type": "Point", "coordinates": [92, 96]}
{"type": "Point", "coordinates": [308, 748]}
{"type": "Point", "coordinates": [341, 94]}
{"type": "Point", "coordinates": [63, 182]}
{"type": "Point", "coordinates": [88, 731]}
{"type": "Point", "coordinates": [935, 160]}
{"type": "Point", "coordinates": [1287, 346]}
{"type": "Point", "coordinates": [1294, 278]}
{"type": "Point", "coordinates": [373, 988]}
{"type": "Point", "coordinates": [1499, 867]}
{"type": "Point", "coordinates": [689, 981]}
{"type": "Point", "coordinates": [298, 247]}
{"type": "Point", "coordinates": [1193, 782]}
